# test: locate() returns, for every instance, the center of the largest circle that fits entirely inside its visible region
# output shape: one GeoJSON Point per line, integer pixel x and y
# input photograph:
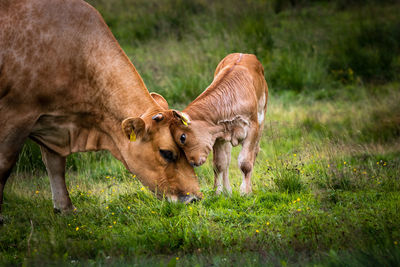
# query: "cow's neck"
{"type": "Point", "coordinates": [119, 87]}
{"type": "Point", "coordinates": [120, 93]}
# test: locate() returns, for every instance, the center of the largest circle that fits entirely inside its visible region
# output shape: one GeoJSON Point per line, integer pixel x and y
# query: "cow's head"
{"type": "Point", "coordinates": [195, 137]}
{"type": "Point", "coordinates": [156, 159]}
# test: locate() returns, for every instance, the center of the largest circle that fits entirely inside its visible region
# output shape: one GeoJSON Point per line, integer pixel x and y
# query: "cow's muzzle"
{"type": "Point", "coordinates": [187, 199]}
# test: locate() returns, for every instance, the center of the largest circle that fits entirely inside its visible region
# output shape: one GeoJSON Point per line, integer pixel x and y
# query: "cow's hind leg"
{"type": "Point", "coordinates": [221, 161]}
{"type": "Point", "coordinates": [247, 158]}
{"type": "Point", "coordinates": [55, 165]}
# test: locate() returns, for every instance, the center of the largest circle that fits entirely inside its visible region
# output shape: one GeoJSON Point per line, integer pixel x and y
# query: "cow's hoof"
{"type": "Point", "coordinates": [69, 210]}
{"type": "Point", "coordinates": [56, 211]}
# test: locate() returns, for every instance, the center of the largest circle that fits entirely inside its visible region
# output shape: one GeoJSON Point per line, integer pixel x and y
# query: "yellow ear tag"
{"type": "Point", "coordinates": [184, 120]}
{"type": "Point", "coordinates": [132, 138]}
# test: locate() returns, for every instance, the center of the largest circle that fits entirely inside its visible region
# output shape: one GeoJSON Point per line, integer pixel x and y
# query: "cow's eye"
{"type": "Point", "coordinates": [167, 155]}
{"type": "Point", "coordinates": [183, 138]}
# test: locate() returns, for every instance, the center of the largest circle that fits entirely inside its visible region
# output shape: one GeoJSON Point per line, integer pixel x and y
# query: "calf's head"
{"type": "Point", "coordinates": [155, 158]}
{"type": "Point", "coordinates": [193, 136]}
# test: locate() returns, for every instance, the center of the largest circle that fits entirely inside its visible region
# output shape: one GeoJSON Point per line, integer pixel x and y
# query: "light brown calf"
{"type": "Point", "coordinates": [66, 83]}
{"type": "Point", "coordinates": [229, 112]}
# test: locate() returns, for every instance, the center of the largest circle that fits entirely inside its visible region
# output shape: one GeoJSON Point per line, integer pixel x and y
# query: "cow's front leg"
{"type": "Point", "coordinates": [11, 141]}
{"type": "Point", "coordinates": [221, 161]}
{"type": "Point", "coordinates": [247, 158]}
{"type": "Point", "coordinates": [55, 165]}
{"type": "Point", "coordinates": [7, 161]}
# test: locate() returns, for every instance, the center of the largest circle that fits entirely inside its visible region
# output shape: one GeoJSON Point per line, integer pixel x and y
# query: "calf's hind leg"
{"type": "Point", "coordinates": [221, 161]}
{"type": "Point", "coordinates": [55, 165]}
{"type": "Point", "coordinates": [247, 158]}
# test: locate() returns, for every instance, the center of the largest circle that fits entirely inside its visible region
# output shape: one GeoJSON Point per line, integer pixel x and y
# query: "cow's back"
{"type": "Point", "coordinates": [44, 51]}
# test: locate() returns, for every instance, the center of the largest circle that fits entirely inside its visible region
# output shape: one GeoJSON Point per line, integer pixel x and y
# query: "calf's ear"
{"type": "Point", "coordinates": [133, 128]}
{"type": "Point", "coordinates": [160, 100]}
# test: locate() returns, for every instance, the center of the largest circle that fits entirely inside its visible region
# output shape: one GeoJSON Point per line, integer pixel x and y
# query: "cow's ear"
{"type": "Point", "coordinates": [182, 117]}
{"type": "Point", "coordinates": [160, 100]}
{"type": "Point", "coordinates": [133, 128]}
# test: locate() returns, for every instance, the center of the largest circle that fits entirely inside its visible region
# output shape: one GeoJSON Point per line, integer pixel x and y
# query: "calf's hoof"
{"type": "Point", "coordinates": [245, 190]}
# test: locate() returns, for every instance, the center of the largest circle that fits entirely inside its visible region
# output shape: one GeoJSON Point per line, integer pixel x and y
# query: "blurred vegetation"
{"type": "Point", "coordinates": [326, 181]}
{"type": "Point", "coordinates": [304, 45]}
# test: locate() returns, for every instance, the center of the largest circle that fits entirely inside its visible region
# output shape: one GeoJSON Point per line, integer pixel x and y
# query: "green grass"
{"type": "Point", "coordinates": [326, 181]}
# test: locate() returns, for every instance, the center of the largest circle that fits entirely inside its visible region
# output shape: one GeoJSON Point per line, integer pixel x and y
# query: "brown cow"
{"type": "Point", "coordinates": [66, 83]}
{"type": "Point", "coordinates": [229, 112]}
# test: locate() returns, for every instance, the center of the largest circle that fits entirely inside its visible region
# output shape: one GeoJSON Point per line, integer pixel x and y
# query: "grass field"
{"type": "Point", "coordinates": [327, 178]}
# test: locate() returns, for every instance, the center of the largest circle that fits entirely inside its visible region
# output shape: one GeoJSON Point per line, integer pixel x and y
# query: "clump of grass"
{"type": "Point", "coordinates": [287, 176]}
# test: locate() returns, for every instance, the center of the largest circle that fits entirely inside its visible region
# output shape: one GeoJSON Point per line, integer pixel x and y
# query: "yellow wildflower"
{"type": "Point", "coordinates": [37, 191]}
{"type": "Point", "coordinates": [77, 228]}
{"type": "Point", "coordinates": [257, 231]}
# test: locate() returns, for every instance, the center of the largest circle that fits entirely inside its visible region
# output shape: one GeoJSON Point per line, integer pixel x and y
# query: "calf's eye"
{"type": "Point", "coordinates": [183, 138]}
{"type": "Point", "coordinates": [167, 155]}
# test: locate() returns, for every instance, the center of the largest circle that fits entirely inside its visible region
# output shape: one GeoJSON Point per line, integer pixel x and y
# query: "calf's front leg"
{"type": "Point", "coordinates": [247, 158]}
{"type": "Point", "coordinates": [55, 165]}
{"type": "Point", "coordinates": [221, 161]}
